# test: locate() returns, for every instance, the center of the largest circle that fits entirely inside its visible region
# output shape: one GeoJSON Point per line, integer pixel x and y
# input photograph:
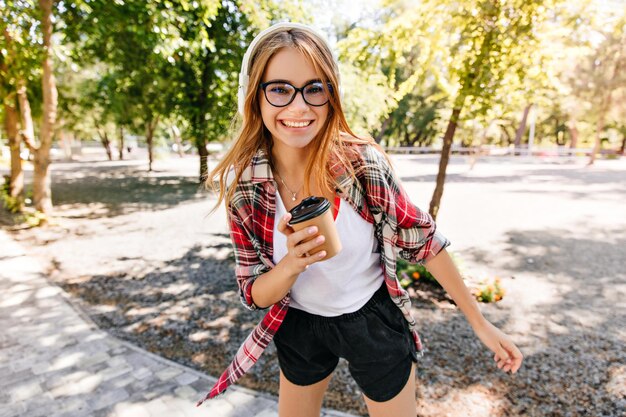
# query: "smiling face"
{"type": "Point", "coordinates": [295, 125]}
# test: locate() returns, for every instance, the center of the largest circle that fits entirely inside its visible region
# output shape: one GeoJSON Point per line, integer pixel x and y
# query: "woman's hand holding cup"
{"type": "Point", "coordinates": [298, 256]}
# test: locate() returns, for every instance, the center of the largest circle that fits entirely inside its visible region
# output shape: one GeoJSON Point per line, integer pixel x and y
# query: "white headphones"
{"type": "Point", "coordinates": [244, 77]}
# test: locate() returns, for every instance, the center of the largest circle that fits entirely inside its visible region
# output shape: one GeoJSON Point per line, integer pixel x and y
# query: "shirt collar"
{"type": "Point", "coordinates": [259, 170]}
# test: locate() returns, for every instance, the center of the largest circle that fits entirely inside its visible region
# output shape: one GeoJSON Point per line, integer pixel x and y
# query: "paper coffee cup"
{"type": "Point", "coordinates": [315, 211]}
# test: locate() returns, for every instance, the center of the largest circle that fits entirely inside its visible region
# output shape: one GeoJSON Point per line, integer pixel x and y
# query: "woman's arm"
{"type": "Point", "coordinates": [507, 355]}
{"type": "Point", "coordinates": [443, 268]}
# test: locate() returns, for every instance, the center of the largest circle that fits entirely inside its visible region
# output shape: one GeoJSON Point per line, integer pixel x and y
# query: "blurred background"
{"type": "Point", "coordinates": [161, 76]}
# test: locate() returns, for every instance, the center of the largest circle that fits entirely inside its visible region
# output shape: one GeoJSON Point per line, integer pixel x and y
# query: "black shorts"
{"type": "Point", "coordinates": [375, 340]}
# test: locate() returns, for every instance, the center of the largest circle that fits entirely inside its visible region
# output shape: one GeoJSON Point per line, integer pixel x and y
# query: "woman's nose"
{"type": "Point", "coordinates": [298, 102]}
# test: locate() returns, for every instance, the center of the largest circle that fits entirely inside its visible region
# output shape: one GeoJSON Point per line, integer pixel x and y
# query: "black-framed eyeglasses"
{"type": "Point", "coordinates": [281, 93]}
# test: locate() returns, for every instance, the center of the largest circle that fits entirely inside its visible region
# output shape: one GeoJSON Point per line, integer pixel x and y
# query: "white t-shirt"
{"type": "Point", "coordinates": [343, 283]}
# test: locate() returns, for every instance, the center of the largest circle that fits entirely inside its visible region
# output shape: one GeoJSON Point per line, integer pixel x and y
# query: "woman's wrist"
{"type": "Point", "coordinates": [478, 322]}
{"type": "Point", "coordinates": [287, 269]}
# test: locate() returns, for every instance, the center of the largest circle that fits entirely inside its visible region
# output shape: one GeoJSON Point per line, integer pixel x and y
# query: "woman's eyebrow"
{"type": "Point", "coordinates": [314, 80]}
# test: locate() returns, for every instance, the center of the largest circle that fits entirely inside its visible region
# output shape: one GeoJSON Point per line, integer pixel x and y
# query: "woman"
{"type": "Point", "coordinates": [295, 142]}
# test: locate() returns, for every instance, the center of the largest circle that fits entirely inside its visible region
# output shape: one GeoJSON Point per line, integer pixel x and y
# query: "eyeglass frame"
{"type": "Point", "coordinates": [297, 90]}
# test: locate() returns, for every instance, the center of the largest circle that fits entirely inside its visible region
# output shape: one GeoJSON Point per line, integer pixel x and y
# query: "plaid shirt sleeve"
{"type": "Point", "coordinates": [248, 266]}
{"type": "Point", "coordinates": [415, 231]}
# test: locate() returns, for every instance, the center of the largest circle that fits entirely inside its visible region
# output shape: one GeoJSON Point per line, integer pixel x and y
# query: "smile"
{"type": "Point", "coordinates": [289, 123]}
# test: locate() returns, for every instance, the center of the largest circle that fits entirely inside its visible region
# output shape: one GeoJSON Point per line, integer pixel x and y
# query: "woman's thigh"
{"type": "Point", "coordinates": [302, 401]}
{"type": "Point", "coordinates": [402, 405]}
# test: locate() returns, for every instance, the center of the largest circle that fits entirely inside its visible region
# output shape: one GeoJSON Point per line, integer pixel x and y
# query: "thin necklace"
{"type": "Point", "coordinates": [293, 195]}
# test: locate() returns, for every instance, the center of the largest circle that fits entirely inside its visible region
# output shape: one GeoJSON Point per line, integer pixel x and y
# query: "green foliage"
{"type": "Point", "coordinates": [12, 204]}
{"type": "Point", "coordinates": [404, 66]}
{"type": "Point", "coordinates": [489, 291]}
{"type": "Point", "coordinates": [486, 291]}
{"type": "Point", "coordinates": [20, 51]}
{"type": "Point", "coordinates": [413, 272]}
{"type": "Point", "coordinates": [168, 59]}
{"type": "Point", "coordinates": [366, 98]}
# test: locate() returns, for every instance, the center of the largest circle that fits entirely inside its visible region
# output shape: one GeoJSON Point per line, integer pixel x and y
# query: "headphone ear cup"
{"type": "Point", "coordinates": [241, 91]}
{"type": "Point", "coordinates": [240, 99]}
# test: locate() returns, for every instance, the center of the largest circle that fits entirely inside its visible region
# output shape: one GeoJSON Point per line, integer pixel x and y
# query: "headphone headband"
{"type": "Point", "coordinates": [244, 74]}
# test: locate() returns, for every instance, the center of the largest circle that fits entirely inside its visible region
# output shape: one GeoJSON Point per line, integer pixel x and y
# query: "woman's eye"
{"type": "Point", "coordinates": [315, 89]}
{"type": "Point", "coordinates": [279, 89]}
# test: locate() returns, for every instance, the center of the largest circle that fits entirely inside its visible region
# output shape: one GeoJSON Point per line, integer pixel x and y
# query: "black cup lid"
{"type": "Point", "coordinates": [308, 208]}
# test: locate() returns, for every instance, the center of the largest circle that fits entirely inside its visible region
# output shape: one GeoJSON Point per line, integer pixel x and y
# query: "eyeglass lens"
{"type": "Point", "coordinates": [280, 93]}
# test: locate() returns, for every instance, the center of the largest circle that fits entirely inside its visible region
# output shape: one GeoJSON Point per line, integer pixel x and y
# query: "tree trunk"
{"type": "Point", "coordinates": [383, 128]}
{"type": "Point", "coordinates": [177, 140]}
{"type": "Point", "coordinates": [106, 143]}
{"type": "Point", "coordinates": [42, 194]}
{"type": "Point", "coordinates": [415, 141]}
{"type": "Point", "coordinates": [28, 130]}
{"type": "Point", "coordinates": [573, 132]}
{"type": "Point", "coordinates": [204, 161]}
{"type": "Point", "coordinates": [121, 142]}
{"type": "Point", "coordinates": [598, 141]}
{"type": "Point", "coordinates": [11, 126]}
{"type": "Point", "coordinates": [606, 105]}
{"type": "Point", "coordinates": [435, 202]}
{"type": "Point", "coordinates": [16, 181]}
{"type": "Point", "coordinates": [559, 140]}
{"type": "Point", "coordinates": [150, 128]}
{"type": "Point", "coordinates": [521, 129]}
{"type": "Point", "coordinates": [621, 149]}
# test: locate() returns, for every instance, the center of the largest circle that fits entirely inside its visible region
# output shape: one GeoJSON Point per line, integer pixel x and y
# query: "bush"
{"type": "Point", "coordinates": [12, 204]}
{"type": "Point", "coordinates": [485, 291]}
{"type": "Point", "coordinates": [489, 292]}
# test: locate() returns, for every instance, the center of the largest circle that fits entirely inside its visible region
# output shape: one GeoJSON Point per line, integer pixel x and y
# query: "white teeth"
{"type": "Point", "coordinates": [296, 124]}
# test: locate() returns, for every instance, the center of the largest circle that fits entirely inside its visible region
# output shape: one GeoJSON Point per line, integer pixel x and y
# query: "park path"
{"type": "Point", "coordinates": [138, 250]}
{"type": "Point", "coordinates": [55, 362]}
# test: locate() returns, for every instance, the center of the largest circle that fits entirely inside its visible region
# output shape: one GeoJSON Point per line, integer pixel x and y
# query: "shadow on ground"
{"type": "Point", "coordinates": [97, 191]}
{"type": "Point", "coordinates": [571, 176]}
{"type": "Point", "coordinates": [188, 310]}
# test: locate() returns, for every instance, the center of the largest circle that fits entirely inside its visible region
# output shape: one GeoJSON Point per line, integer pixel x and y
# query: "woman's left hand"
{"type": "Point", "coordinates": [507, 356]}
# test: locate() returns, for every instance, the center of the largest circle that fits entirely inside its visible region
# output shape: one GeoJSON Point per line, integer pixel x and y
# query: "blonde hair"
{"type": "Point", "coordinates": [334, 144]}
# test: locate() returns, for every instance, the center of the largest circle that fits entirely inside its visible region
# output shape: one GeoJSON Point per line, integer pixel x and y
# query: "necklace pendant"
{"type": "Point", "coordinates": [293, 198]}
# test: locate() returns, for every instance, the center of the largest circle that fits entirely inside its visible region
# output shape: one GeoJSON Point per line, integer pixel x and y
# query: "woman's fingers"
{"type": "Point", "coordinates": [307, 259]}
{"type": "Point", "coordinates": [283, 225]}
{"type": "Point", "coordinates": [305, 248]}
{"type": "Point", "coordinates": [508, 357]}
{"type": "Point", "coordinates": [301, 243]}
{"type": "Point", "coordinates": [295, 239]}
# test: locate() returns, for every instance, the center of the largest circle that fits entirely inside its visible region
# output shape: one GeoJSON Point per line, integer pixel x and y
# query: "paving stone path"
{"type": "Point", "coordinates": [55, 362]}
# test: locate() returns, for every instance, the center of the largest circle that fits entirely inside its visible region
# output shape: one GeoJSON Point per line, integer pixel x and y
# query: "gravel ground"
{"type": "Point", "coordinates": [141, 256]}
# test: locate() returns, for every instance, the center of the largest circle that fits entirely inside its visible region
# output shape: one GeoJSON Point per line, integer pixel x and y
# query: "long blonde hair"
{"type": "Point", "coordinates": [333, 143]}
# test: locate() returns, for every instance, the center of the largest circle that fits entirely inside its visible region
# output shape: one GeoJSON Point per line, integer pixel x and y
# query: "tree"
{"type": "Point", "coordinates": [208, 59]}
{"type": "Point", "coordinates": [42, 194]}
{"type": "Point", "coordinates": [601, 78]}
{"type": "Point", "coordinates": [173, 59]}
{"type": "Point", "coordinates": [19, 59]}
{"type": "Point", "coordinates": [11, 126]}
{"type": "Point", "coordinates": [467, 48]}
{"type": "Point", "coordinates": [132, 41]}
{"type": "Point", "coordinates": [22, 22]}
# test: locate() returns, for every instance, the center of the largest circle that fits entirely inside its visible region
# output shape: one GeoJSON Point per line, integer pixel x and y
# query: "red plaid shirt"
{"type": "Point", "coordinates": [401, 229]}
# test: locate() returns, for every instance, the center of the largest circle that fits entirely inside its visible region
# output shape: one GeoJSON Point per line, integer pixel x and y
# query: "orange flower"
{"type": "Point", "coordinates": [416, 275]}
